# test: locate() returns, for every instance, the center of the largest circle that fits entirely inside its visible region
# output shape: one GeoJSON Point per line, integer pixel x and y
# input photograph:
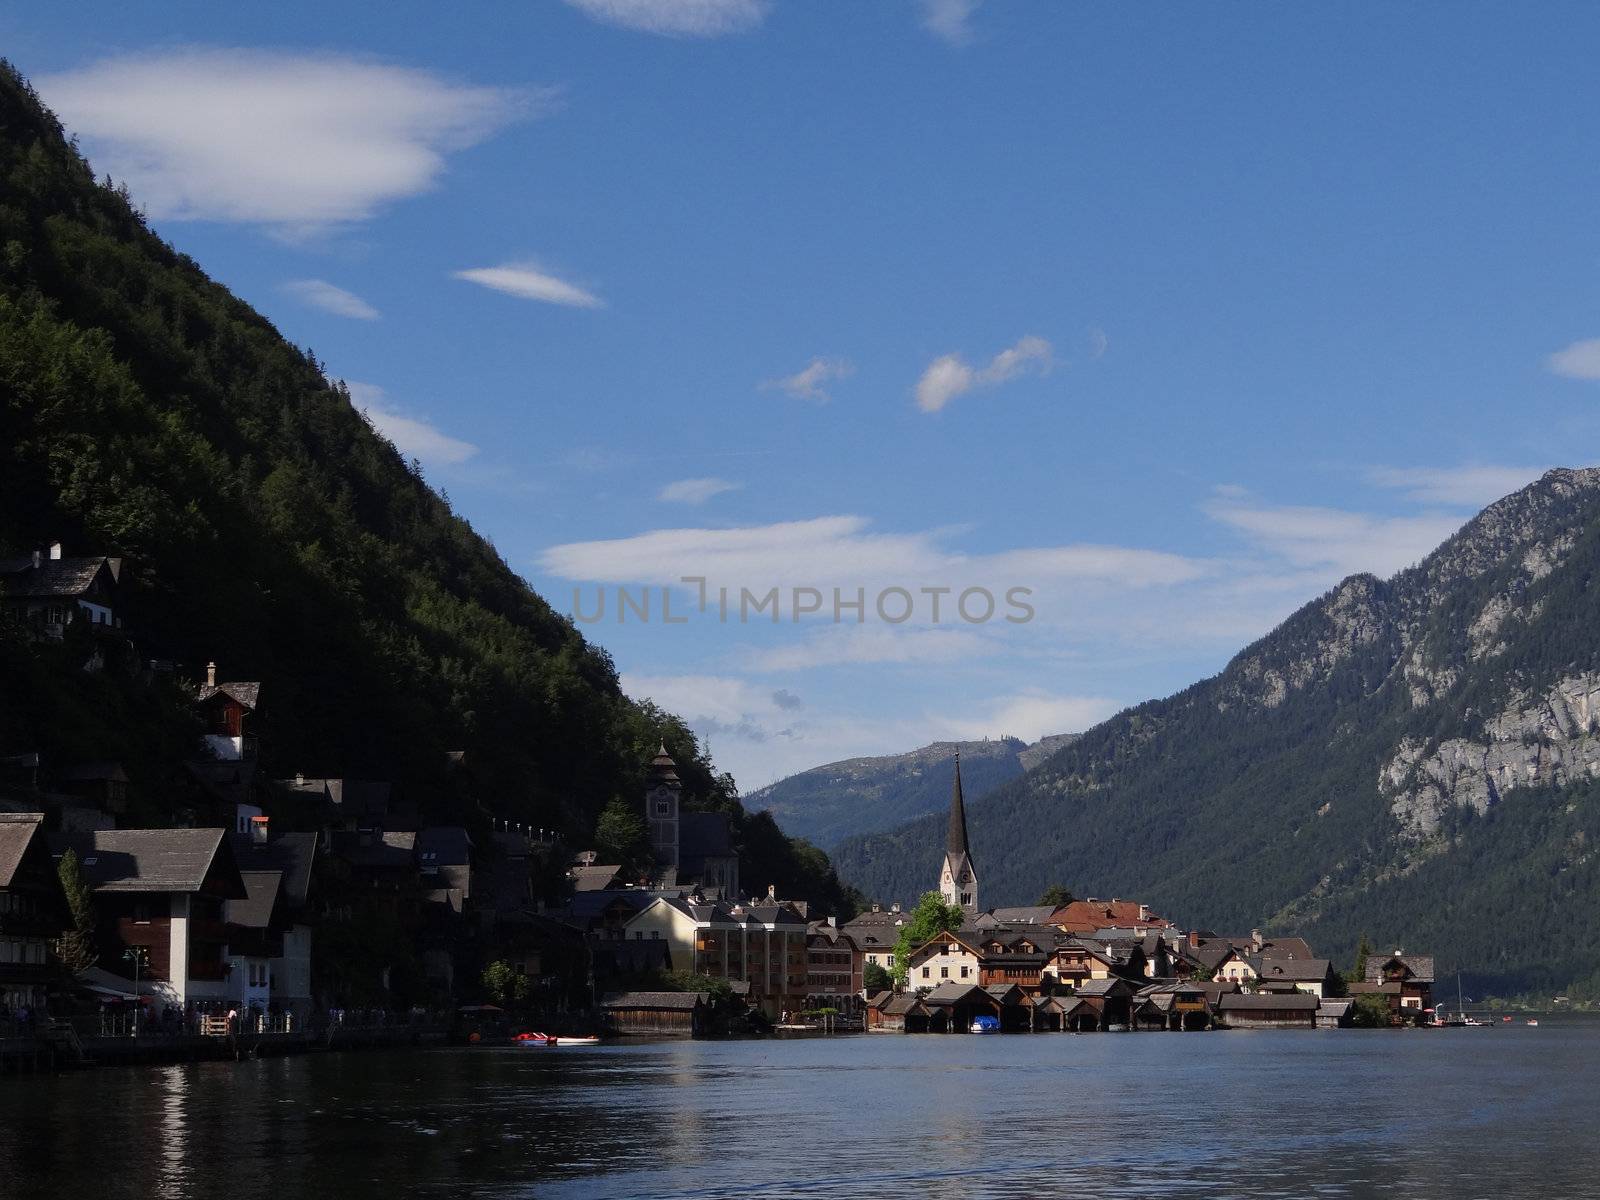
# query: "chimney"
{"type": "Point", "coordinates": [38, 559]}
{"type": "Point", "coordinates": [1256, 938]}
{"type": "Point", "coordinates": [895, 907]}
{"type": "Point", "coordinates": [258, 831]}
{"type": "Point", "coordinates": [299, 779]}
{"type": "Point", "coordinates": [1396, 953]}
{"type": "Point", "coordinates": [772, 893]}
{"type": "Point", "coordinates": [211, 674]}
{"type": "Point", "coordinates": [55, 551]}
{"type": "Point", "coordinates": [876, 907]}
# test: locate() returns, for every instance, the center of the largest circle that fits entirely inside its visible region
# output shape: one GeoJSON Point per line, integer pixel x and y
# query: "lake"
{"type": "Point", "coordinates": [1456, 1112]}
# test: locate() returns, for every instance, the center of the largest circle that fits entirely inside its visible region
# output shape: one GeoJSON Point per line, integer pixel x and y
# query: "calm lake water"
{"type": "Point", "coordinates": [1458, 1113]}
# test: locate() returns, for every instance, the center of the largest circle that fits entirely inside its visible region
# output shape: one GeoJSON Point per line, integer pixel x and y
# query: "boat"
{"type": "Point", "coordinates": [984, 1025]}
{"type": "Point", "coordinates": [547, 1039]}
{"type": "Point", "coordinates": [1532, 1021]}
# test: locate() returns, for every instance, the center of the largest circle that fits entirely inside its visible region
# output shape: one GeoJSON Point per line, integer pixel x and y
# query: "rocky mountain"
{"type": "Point", "coordinates": [864, 795]}
{"type": "Point", "coordinates": [1417, 759]}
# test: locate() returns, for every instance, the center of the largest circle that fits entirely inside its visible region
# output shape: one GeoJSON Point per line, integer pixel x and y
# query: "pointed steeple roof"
{"type": "Point", "coordinates": [955, 839]}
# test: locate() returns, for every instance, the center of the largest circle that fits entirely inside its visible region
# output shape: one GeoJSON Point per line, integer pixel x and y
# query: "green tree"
{"type": "Point", "coordinates": [1363, 952]}
{"type": "Point", "coordinates": [504, 984]}
{"type": "Point", "coordinates": [1056, 895]}
{"type": "Point", "coordinates": [876, 979]}
{"type": "Point", "coordinates": [75, 947]}
{"type": "Point", "coordinates": [621, 835]}
{"type": "Point", "coordinates": [931, 917]}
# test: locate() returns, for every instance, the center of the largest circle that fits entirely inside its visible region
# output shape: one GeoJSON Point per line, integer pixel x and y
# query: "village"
{"type": "Point", "coordinates": [292, 913]}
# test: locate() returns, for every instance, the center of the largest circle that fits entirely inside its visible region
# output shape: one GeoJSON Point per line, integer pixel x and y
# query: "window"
{"type": "Point", "coordinates": [655, 933]}
{"type": "Point", "coordinates": [963, 972]}
{"type": "Point", "coordinates": [944, 972]}
{"type": "Point", "coordinates": [926, 972]}
{"type": "Point", "coordinates": [663, 808]}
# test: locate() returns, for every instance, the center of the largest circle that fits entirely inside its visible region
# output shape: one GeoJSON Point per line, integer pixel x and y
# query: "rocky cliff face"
{"type": "Point", "coordinates": [1391, 758]}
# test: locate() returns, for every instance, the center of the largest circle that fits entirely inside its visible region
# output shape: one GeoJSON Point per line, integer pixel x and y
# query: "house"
{"type": "Point", "coordinates": [949, 957]}
{"type": "Point", "coordinates": [444, 862]}
{"type": "Point", "coordinates": [952, 1007]}
{"type": "Point", "coordinates": [876, 932]}
{"type": "Point", "coordinates": [33, 911]}
{"type": "Point", "coordinates": [49, 592]}
{"type": "Point", "coordinates": [1287, 1010]}
{"type": "Point", "coordinates": [1015, 958]}
{"type": "Point", "coordinates": [292, 856]}
{"type": "Point", "coordinates": [1236, 966]}
{"type": "Point", "coordinates": [228, 710]}
{"type": "Point", "coordinates": [1076, 961]}
{"type": "Point", "coordinates": [958, 877]}
{"type": "Point", "coordinates": [255, 937]}
{"type": "Point", "coordinates": [656, 1013]}
{"type": "Point", "coordinates": [898, 1014]}
{"type": "Point", "coordinates": [1085, 916]}
{"type": "Point", "coordinates": [1314, 976]}
{"type": "Point", "coordinates": [834, 966]}
{"type": "Point", "coordinates": [1182, 1005]}
{"type": "Point", "coordinates": [1110, 999]}
{"type": "Point", "coordinates": [1407, 979]}
{"type": "Point", "coordinates": [762, 944]}
{"type": "Point", "coordinates": [160, 897]}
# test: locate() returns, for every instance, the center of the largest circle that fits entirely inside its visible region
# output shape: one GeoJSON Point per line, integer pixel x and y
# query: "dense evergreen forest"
{"type": "Point", "coordinates": [1255, 798]}
{"type": "Point", "coordinates": [147, 413]}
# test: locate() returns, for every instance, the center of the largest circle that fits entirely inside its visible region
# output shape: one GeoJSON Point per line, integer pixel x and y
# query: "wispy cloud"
{"type": "Point", "coordinates": [949, 376]}
{"type": "Point", "coordinates": [297, 142]}
{"type": "Point", "coordinates": [1581, 360]}
{"type": "Point", "coordinates": [1464, 487]}
{"type": "Point", "coordinates": [845, 551]}
{"type": "Point", "coordinates": [1099, 343]}
{"type": "Point", "coordinates": [1335, 539]}
{"type": "Point", "coordinates": [809, 382]}
{"type": "Point", "coordinates": [411, 435]}
{"type": "Point", "coordinates": [677, 18]}
{"type": "Point", "coordinates": [949, 20]}
{"type": "Point", "coordinates": [528, 281]}
{"type": "Point", "coordinates": [696, 491]}
{"type": "Point", "coordinates": [319, 293]}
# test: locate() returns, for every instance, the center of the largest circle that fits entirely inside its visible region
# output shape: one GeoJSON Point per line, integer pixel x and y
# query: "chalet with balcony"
{"type": "Point", "coordinates": [33, 911]}
{"type": "Point", "coordinates": [160, 900]}
{"type": "Point", "coordinates": [947, 958]}
{"type": "Point", "coordinates": [1406, 980]}
{"type": "Point", "coordinates": [1314, 976]}
{"type": "Point", "coordinates": [762, 944]}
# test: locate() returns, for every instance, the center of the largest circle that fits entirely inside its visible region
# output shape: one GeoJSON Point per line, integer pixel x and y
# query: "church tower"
{"type": "Point", "coordinates": [958, 881]}
{"type": "Point", "coordinates": [661, 798]}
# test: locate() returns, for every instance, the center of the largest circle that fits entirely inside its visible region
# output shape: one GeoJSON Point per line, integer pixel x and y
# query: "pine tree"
{"type": "Point", "coordinates": [75, 947]}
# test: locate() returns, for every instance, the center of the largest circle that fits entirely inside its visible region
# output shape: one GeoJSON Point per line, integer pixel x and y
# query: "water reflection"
{"type": "Point", "coordinates": [1457, 1112]}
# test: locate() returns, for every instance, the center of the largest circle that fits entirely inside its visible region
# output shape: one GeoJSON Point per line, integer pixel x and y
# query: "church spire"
{"type": "Point", "coordinates": [958, 881]}
{"type": "Point", "coordinates": [955, 839]}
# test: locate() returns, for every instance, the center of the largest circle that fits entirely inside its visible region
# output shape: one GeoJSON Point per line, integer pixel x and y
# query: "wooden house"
{"type": "Point", "coordinates": [656, 1013]}
{"type": "Point", "coordinates": [33, 911]}
{"type": "Point", "coordinates": [1271, 1010]}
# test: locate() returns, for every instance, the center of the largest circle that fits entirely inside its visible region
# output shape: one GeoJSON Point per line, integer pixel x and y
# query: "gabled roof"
{"type": "Point", "coordinates": [654, 1001]}
{"type": "Point", "coordinates": [1280, 1002]}
{"type": "Point", "coordinates": [292, 854]}
{"type": "Point", "coordinates": [1028, 914]}
{"type": "Point", "coordinates": [66, 577]}
{"type": "Point", "coordinates": [901, 1005]}
{"type": "Point", "coordinates": [593, 878]}
{"type": "Point", "coordinates": [17, 831]}
{"type": "Point", "coordinates": [255, 910]}
{"type": "Point", "coordinates": [1418, 966]}
{"type": "Point", "coordinates": [1085, 916]}
{"type": "Point", "coordinates": [391, 850]}
{"type": "Point", "coordinates": [1104, 987]}
{"type": "Point", "coordinates": [941, 938]}
{"type": "Point", "coordinates": [154, 860]}
{"type": "Point", "coordinates": [247, 693]}
{"type": "Point", "coordinates": [444, 846]}
{"type": "Point", "coordinates": [1286, 947]}
{"type": "Point", "coordinates": [879, 999]}
{"type": "Point", "coordinates": [950, 992]}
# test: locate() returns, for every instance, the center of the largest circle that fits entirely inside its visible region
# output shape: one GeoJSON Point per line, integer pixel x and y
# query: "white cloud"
{"type": "Point", "coordinates": [696, 491]}
{"type": "Point", "coordinates": [1033, 713]}
{"type": "Point", "coordinates": [529, 282]}
{"type": "Point", "coordinates": [411, 435]}
{"type": "Point", "coordinates": [319, 293]}
{"type": "Point", "coordinates": [1468, 487]}
{"type": "Point", "coordinates": [1099, 343]}
{"type": "Point", "coordinates": [1336, 539]}
{"type": "Point", "coordinates": [949, 20]}
{"type": "Point", "coordinates": [292, 141]}
{"type": "Point", "coordinates": [950, 376]}
{"type": "Point", "coordinates": [809, 382]}
{"type": "Point", "coordinates": [842, 551]}
{"type": "Point", "coordinates": [862, 645]}
{"type": "Point", "coordinates": [677, 18]}
{"type": "Point", "coordinates": [1581, 360]}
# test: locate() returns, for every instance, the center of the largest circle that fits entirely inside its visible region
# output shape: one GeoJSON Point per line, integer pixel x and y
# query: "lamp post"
{"type": "Point", "coordinates": [136, 955]}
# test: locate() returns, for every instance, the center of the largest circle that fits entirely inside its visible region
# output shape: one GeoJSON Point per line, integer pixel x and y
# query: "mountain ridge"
{"type": "Point", "coordinates": [1341, 772]}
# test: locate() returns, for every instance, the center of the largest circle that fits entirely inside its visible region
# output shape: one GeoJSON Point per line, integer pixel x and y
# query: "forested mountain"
{"type": "Point", "coordinates": [146, 412]}
{"type": "Point", "coordinates": [1414, 759]}
{"type": "Point", "coordinates": [866, 795]}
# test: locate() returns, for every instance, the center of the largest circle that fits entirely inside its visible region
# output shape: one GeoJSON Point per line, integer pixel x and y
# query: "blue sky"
{"type": "Point", "coordinates": [1172, 315]}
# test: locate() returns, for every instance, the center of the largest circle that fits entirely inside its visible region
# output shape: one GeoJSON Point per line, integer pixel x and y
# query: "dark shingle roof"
{"type": "Point", "coordinates": [152, 860]}
{"type": "Point", "coordinates": [1297, 970]}
{"type": "Point", "coordinates": [1283, 1002]}
{"type": "Point", "coordinates": [16, 831]}
{"type": "Point", "coordinates": [247, 693]}
{"type": "Point", "coordinates": [659, 1001]}
{"type": "Point", "coordinates": [255, 910]}
{"type": "Point", "coordinates": [448, 846]}
{"type": "Point", "coordinates": [1420, 966]}
{"type": "Point", "coordinates": [290, 853]}
{"type": "Point", "coordinates": [593, 878]}
{"type": "Point", "coordinates": [52, 577]}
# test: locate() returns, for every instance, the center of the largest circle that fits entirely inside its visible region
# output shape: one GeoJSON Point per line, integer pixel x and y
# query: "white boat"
{"type": "Point", "coordinates": [1532, 1021]}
